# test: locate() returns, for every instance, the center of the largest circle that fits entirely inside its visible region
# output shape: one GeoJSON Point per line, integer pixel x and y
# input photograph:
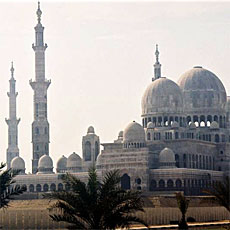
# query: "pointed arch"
{"type": "Point", "coordinates": [87, 151]}
{"type": "Point", "coordinates": [125, 181]}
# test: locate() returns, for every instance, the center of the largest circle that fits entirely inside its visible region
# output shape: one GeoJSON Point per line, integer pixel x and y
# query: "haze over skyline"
{"type": "Point", "coordinates": [100, 60]}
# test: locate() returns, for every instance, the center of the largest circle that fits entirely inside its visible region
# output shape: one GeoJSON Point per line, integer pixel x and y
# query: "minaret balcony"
{"type": "Point", "coordinates": [39, 48]}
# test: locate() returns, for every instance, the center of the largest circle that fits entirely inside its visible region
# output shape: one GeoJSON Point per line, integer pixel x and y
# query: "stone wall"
{"type": "Point", "coordinates": [34, 215]}
{"type": "Point", "coordinates": [159, 216]}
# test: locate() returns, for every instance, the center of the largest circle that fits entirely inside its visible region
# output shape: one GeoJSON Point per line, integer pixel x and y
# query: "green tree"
{"type": "Point", "coordinates": [183, 204]}
{"type": "Point", "coordinates": [221, 192]}
{"type": "Point", "coordinates": [7, 191]}
{"type": "Point", "coordinates": [95, 205]}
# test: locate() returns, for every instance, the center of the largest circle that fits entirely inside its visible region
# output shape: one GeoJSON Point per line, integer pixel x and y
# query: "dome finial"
{"type": "Point", "coordinates": [39, 12]}
{"type": "Point", "coordinates": [157, 54]}
{"type": "Point", "coordinates": [12, 70]}
{"type": "Point", "coordinates": [157, 65]}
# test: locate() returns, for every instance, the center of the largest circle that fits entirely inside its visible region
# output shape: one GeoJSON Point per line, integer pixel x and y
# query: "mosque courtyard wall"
{"type": "Point", "coordinates": [33, 214]}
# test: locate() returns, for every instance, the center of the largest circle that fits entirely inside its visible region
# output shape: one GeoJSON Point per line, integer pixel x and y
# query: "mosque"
{"type": "Point", "coordinates": [183, 143]}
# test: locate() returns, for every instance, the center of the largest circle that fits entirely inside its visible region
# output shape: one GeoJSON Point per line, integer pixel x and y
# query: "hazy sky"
{"type": "Point", "coordinates": [100, 60]}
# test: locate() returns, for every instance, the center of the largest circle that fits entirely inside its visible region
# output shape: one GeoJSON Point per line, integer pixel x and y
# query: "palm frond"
{"type": "Point", "coordinates": [7, 190]}
{"type": "Point", "coordinates": [96, 205]}
{"type": "Point", "coordinates": [221, 192]}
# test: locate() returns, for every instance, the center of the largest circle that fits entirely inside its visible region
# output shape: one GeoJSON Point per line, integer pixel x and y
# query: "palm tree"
{"type": "Point", "coordinates": [96, 205]}
{"type": "Point", "coordinates": [182, 203]}
{"type": "Point", "coordinates": [7, 191]}
{"type": "Point", "coordinates": [221, 192]}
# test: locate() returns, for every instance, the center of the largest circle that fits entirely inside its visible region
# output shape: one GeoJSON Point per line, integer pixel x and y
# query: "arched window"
{"type": "Point", "coordinates": [31, 188]}
{"type": "Point", "coordinates": [185, 160]}
{"type": "Point", "coordinates": [125, 182]}
{"type": "Point", "coordinates": [217, 138]}
{"type": "Point", "coordinates": [170, 183]}
{"type": "Point", "coordinates": [223, 138]}
{"type": "Point", "coordinates": [53, 187]}
{"type": "Point", "coordinates": [36, 130]}
{"type": "Point", "coordinates": [202, 124]}
{"type": "Point", "coordinates": [148, 137]}
{"type": "Point", "coordinates": [36, 109]}
{"type": "Point", "coordinates": [209, 120]}
{"type": "Point", "coordinates": [87, 151]}
{"type": "Point", "coordinates": [153, 185]}
{"type": "Point", "coordinates": [161, 183]}
{"type": "Point", "coordinates": [38, 188]}
{"type": "Point", "coordinates": [193, 161]}
{"type": "Point", "coordinates": [177, 158]}
{"type": "Point", "coordinates": [25, 187]}
{"type": "Point", "coordinates": [67, 187]}
{"type": "Point", "coordinates": [178, 183]}
{"type": "Point", "coordinates": [221, 122]}
{"type": "Point", "coordinates": [60, 187]}
{"type": "Point", "coordinates": [188, 119]}
{"type": "Point", "coordinates": [46, 130]}
{"type": "Point", "coordinates": [176, 135]}
{"type": "Point", "coordinates": [138, 180]}
{"type": "Point", "coordinates": [45, 188]}
{"type": "Point", "coordinates": [96, 149]}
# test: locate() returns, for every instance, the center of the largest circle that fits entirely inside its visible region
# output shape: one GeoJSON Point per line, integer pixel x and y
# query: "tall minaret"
{"type": "Point", "coordinates": [157, 66]}
{"type": "Point", "coordinates": [12, 122]}
{"type": "Point", "coordinates": [40, 125]}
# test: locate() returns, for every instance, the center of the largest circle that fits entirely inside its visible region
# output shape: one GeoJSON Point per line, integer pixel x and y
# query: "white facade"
{"type": "Point", "coordinates": [183, 143]}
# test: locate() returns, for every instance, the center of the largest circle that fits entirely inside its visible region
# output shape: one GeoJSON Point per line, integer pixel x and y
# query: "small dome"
{"type": "Point", "coordinates": [192, 125]}
{"type": "Point", "coordinates": [203, 92]}
{"type": "Point", "coordinates": [167, 159]}
{"type": "Point", "coordinates": [74, 161]}
{"type": "Point", "coordinates": [167, 156]}
{"type": "Point", "coordinates": [150, 125]}
{"type": "Point", "coordinates": [214, 125]}
{"type": "Point", "coordinates": [90, 130]}
{"type": "Point", "coordinates": [18, 163]}
{"type": "Point", "coordinates": [99, 160]}
{"type": "Point", "coordinates": [120, 135]}
{"type": "Point", "coordinates": [175, 125]}
{"type": "Point", "coordinates": [45, 164]}
{"type": "Point", "coordinates": [62, 164]}
{"type": "Point", "coordinates": [45, 161]}
{"type": "Point", "coordinates": [162, 96]}
{"type": "Point", "coordinates": [134, 132]}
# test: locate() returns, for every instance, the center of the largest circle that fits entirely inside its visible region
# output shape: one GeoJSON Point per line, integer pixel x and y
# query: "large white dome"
{"type": "Point", "coordinates": [162, 96]}
{"type": "Point", "coordinates": [203, 92]}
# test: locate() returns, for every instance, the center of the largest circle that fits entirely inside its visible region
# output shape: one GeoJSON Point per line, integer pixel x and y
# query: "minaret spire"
{"type": "Point", "coordinates": [157, 54]}
{"type": "Point", "coordinates": [40, 125]}
{"type": "Point", "coordinates": [39, 13]}
{"type": "Point", "coordinates": [12, 70]}
{"type": "Point", "coordinates": [157, 65]}
{"type": "Point", "coordinates": [12, 122]}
